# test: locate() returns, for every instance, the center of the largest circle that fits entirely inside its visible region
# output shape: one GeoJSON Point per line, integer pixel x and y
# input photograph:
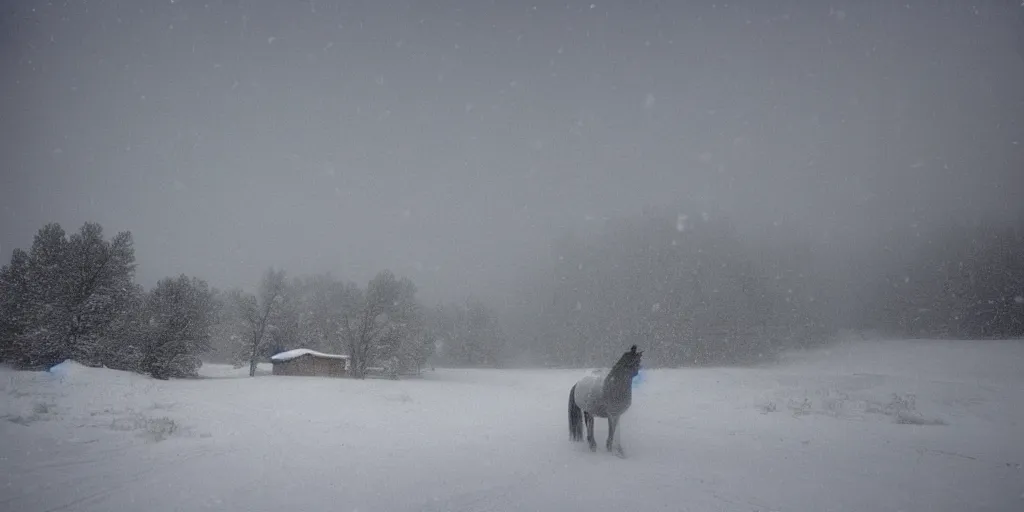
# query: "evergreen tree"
{"type": "Point", "coordinates": [122, 346]}
{"type": "Point", "coordinates": [15, 318]}
{"type": "Point", "coordinates": [179, 314]}
{"type": "Point", "coordinates": [70, 290]}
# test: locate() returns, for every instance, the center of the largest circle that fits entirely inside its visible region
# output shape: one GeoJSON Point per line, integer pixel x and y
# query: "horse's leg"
{"type": "Point", "coordinates": [589, 419]}
{"type": "Point", "coordinates": [613, 421]}
{"type": "Point", "coordinates": [614, 440]}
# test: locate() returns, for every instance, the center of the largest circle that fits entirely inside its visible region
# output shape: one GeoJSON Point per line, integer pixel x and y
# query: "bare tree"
{"type": "Point", "coordinates": [257, 313]}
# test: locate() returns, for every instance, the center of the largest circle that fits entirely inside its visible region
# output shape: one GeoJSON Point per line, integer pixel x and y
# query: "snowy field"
{"type": "Point", "coordinates": [911, 426]}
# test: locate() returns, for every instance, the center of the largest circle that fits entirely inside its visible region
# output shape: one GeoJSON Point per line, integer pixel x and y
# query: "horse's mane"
{"type": "Point", "coordinates": [624, 361]}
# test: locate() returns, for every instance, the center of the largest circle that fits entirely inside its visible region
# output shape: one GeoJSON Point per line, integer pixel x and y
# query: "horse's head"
{"type": "Point", "coordinates": [630, 361]}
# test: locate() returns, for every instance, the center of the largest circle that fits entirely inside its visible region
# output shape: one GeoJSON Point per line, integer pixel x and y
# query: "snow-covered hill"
{"type": "Point", "coordinates": [870, 426]}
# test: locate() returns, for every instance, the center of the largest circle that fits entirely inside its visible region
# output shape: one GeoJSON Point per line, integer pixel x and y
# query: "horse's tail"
{"type": "Point", "coordinates": [575, 417]}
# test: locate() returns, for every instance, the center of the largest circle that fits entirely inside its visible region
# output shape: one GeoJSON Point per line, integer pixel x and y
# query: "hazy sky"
{"type": "Point", "coordinates": [451, 140]}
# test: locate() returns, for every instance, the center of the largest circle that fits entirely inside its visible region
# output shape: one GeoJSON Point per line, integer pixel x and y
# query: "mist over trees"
{"type": "Point", "coordinates": [686, 287]}
{"type": "Point", "coordinates": [964, 280]}
{"type": "Point", "coordinates": [689, 287]}
{"type": "Point", "coordinates": [693, 290]}
{"type": "Point", "coordinates": [468, 334]}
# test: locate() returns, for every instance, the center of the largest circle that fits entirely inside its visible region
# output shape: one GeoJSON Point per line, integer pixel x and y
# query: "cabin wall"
{"type": "Point", "coordinates": [311, 366]}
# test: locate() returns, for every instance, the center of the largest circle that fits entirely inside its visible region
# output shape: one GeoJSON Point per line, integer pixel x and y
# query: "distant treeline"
{"type": "Point", "coordinates": [74, 297]}
{"type": "Point", "coordinates": [693, 291]}
{"type": "Point", "coordinates": [964, 280]}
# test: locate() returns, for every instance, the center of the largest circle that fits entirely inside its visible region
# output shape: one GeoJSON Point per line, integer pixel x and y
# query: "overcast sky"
{"type": "Point", "coordinates": [451, 140]}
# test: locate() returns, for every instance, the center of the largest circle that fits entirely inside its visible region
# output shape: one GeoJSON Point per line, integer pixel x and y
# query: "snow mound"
{"type": "Point", "coordinates": [65, 370]}
{"type": "Point", "coordinates": [288, 355]}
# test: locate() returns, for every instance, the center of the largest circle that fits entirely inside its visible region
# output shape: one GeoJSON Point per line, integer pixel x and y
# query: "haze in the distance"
{"type": "Point", "coordinates": [451, 141]}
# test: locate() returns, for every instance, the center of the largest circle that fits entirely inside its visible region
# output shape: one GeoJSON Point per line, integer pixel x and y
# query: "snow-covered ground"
{"type": "Point", "coordinates": [867, 426]}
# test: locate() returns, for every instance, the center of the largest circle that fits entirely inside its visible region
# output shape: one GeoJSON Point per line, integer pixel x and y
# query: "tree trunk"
{"type": "Point", "coordinates": [252, 359]}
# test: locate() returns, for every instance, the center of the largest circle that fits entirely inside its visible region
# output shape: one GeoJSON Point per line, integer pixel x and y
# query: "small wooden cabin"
{"type": "Point", "coordinates": [310, 363]}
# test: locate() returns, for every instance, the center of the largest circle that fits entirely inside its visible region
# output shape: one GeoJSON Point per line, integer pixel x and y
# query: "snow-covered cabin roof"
{"type": "Point", "coordinates": [288, 355]}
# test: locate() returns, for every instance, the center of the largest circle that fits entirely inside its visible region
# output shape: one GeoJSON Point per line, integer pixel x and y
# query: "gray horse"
{"type": "Point", "coordinates": [605, 395]}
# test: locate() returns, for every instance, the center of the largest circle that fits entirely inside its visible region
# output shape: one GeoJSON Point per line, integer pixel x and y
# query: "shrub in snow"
{"type": "Point", "coordinates": [903, 408]}
{"type": "Point", "coordinates": [154, 429]}
{"type": "Point", "coordinates": [40, 411]}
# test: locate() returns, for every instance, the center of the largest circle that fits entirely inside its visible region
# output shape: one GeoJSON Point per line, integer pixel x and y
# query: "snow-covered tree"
{"type": "Point", "coordinates": [370, 333]}
{"type": "Point", "coordinates": [43, 341]}
{"type": "Point", "coordinates": [179, 313]}
{"type": "Point", "coordinates": [470, 334]}
{"type": "Point", "coordinates": [255, 314]}
{"type": "Point", "coordinates": [399, 328]}
{"type": "Point", "coordinates": [224, 332]}
{"type": "Point", "coordinates": [417, 349]}
{"type": "Point", "coordinates": [14, 296]}
{"type": "Point", "coordinates": [99, 285]}
{"type": "Point", "coordinates": [122, 345]}
{"type": "Point", "coordinates": [325, 303]}
{"type": "Point", "coordinates": [285, 331]}
{"type": "Point", "coordinates": [71, 290]}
